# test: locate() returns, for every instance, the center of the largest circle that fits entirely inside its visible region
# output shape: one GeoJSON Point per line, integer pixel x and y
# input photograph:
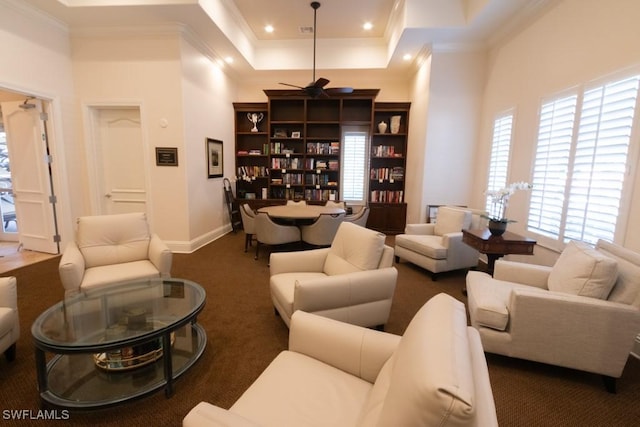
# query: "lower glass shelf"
{"type": "Point", "coordinates": [74, 380]}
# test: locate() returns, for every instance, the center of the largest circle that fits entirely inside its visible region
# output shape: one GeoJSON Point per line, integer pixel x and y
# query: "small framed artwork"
{"type": "Point", "coordinates": [214, 158]}
{"type": "Point", "coordinates": [295, 134]}
{"type": "Point", "coordinates": [166, 156]}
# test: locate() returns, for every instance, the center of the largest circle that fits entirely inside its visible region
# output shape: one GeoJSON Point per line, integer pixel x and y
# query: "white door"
{"type": "Point", "coordinates": [119, 160]}
{"type": "Point", "coordinates": [30, 174]}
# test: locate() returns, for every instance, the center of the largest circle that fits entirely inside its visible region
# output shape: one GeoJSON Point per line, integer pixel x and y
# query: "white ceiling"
{"type": "Point", "coordinates": [235, 28]}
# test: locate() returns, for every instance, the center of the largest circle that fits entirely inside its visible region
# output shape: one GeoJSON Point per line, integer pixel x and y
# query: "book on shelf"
{"type": "Point", "coordinates": [387, 196]}
{"type": "Point", "coordinates": [249, 173]}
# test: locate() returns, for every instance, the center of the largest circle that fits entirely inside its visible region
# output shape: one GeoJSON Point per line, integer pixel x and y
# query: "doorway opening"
{"type": "Point", "coordinates": [8, 218]}
{"type": "Point", "coordinates": [27, 199]}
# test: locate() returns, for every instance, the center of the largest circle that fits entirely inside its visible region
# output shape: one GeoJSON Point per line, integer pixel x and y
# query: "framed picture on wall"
{"type": "Point", "coordinates": [214, 158]}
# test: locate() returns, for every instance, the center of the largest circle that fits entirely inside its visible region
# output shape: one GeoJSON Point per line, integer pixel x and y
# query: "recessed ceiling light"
{"type": "Point", "coordinates": [406, 56]}
{"type": "Point", "coordinates": [228, 60]}
{"type": "Point", "coordinates": [268, 28]}
{"type": "Point", "coordinates": [367, 25]}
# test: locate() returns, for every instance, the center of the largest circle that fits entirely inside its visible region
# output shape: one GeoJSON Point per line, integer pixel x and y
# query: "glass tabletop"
{"type": "Point", "coordinates": [118, 313]}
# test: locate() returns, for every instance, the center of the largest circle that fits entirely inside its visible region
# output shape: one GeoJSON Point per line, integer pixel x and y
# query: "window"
{"type": "Point", "coordinates": [354, 165]}
{"type": "Point", "coordinates": [499, 162]}
{"type": "Point", "coordinates": [580, 169]}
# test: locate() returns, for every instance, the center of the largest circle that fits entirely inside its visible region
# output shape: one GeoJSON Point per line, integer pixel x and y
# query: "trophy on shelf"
{"type": "Point", "coordinates": [255, 118]}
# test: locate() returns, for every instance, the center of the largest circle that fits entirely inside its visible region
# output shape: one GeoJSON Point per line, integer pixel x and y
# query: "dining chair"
{"type": "Point", "coordinates": [332, 204]}
{"type": "Point", "coordinates": [248, 224]}
{"type": "Point", "coordinates": [360, 217]}
{"type": "Point", "coordinates": [270, 233]}
{"type": "Point", "coordinates": [323, 230]}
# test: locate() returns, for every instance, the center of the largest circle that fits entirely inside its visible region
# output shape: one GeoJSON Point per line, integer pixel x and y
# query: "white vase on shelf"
{"type": "Point", "coordinates": [382, 127]}
{"type": "Point", "coordinates": [395, 124]}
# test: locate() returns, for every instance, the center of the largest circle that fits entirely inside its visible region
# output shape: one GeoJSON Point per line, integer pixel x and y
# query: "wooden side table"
{"type": "Point", "coordinates": [497, 246]}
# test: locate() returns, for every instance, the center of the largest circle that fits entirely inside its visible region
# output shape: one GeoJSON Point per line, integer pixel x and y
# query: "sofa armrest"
{"type": "Point", "coordinates": [71, 267]}
{"type": "Point", "coordinates": [206, 414]}
{"type": "Point", "coordinates": [520, 272]}
{"type": "Point", "coordinates": [344, 290]}
{"type": "Point", "coordinates": [8, 292]}
{"type": "Point", "coordinates": [353, 349]}
{"type": "Point", "coordinates": [427, 228]}
{"type": "Point", "coordinates": [160, 255]}
{"type": "Point", "coordinates": [303, 261]}
{"type": "Point", "coordinates": [454, 241]}
{"type": "Point", "coordinates": [562, 326]}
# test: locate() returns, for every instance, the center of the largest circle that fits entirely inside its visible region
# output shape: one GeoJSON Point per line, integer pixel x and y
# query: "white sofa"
{"type": "Point", "coordinates": [438, 247]}
{"type": "Point", "coordinates": [9, 321]}
{"type": "Point", "coordinates": [110, 249]}
{"type": "Point", "coordinates": [353, 280]}
{"type": "Point", "coordinates": [337, 374]}
{"type": "Point", "coordinates": [582, 313]}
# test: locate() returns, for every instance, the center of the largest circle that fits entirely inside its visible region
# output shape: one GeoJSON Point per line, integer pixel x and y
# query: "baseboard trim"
{"type": "Point", "coordinates": [182, 247]}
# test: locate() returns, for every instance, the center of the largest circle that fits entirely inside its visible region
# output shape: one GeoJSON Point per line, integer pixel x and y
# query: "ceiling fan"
{"type": "Point", "coordinates": [316, 89]}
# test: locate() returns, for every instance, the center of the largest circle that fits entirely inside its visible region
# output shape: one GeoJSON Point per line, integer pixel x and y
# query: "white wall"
{"type": "Point", "coordinates": [573, 43]}
{"type": "Point", "coordinates": [35, 56]}
{"type": "Point", "coordinates": [416, 181]}
{"type": "Point", "coordinates": [447, 96]}
{"type": "Point", "coordinates": [207, 96]}
{"type": "Point", "coordinates": [118, 69]}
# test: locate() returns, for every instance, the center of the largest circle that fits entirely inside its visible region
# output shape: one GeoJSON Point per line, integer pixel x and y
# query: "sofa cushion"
{"type": "Point", "coordinates": [451, 220]}
{"type": "Point", "coordinates": [432, 365]}
{"type": "Point", "coordinates": [492, 301]}
{"type": "Point", "coordinates": [113, 239]}
{"type": "Point", "coordinates": [582, 270]}
{"type": "Point", "coordinates": [95, 277]}
{"type": "Point", "coordinates": [354, 248]}
{"type": "Point", "coordinates": [427, 245]}
{"type": "Point", "coordinates": [313, 393]}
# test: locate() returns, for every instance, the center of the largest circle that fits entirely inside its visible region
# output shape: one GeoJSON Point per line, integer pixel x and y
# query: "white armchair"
{"type": "Point", "coordinates": [336, 374]}
{"type": "Point", "coordinates": [9, 321]}
{"type": "Point", "coordinates": [438, 247]}
{"type": "Point", "coordinates": [583, 313]}
{"type": "Point", "coordinates": [110, 249]}
{"type": "Point", "coordinates": [353, 280]}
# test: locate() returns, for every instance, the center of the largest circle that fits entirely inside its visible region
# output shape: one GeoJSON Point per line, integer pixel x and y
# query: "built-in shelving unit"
{"type": "Point", "coordinates": [295, 154]}
{"type": "Point", "coordinates": [388, 211]}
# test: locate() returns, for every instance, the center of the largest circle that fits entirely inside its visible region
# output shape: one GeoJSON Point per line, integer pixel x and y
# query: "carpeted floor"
{"type": "Point", "coordinates": [244, 335]}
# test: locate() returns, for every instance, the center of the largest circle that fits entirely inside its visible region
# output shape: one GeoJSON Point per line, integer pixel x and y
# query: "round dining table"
{"type": "Point", "coordinates": [300, 212]}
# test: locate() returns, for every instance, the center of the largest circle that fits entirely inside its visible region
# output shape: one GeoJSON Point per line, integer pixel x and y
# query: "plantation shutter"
{"type": "Point", "coordinates": [499, 161]}
{"type": "Point", "coordinates": [551, 166]}
{"type": "Point", "coordinates": [353, 166]}
{"type": "Point", "coordinates": [600, 160]}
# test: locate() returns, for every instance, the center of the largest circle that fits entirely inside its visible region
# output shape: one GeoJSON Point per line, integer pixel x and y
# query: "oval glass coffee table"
{"type": "Point", "coordinates": [118, 343]}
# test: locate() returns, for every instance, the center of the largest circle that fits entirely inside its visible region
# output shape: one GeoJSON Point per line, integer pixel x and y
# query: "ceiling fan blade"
{"type": "Point", "coordinates": [331, 90]}
{"type": "Point", "coordinates": [288, 84]}
{"type": "Point", "coordinates": [320, 83]}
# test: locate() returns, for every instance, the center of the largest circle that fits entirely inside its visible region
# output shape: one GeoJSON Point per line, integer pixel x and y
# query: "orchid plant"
{"type": "Point", "coordinates": [500, 200]}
